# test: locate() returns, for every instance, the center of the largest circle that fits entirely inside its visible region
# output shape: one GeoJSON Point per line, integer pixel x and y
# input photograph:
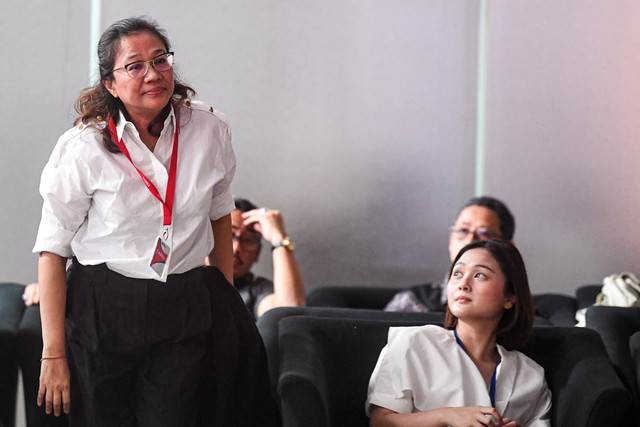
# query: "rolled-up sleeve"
{"type": "Point", "coordinates": [64, 188]}
{"type": "Point", "coordinates": [222, 200]}
{"type": "Point", "coordinates": [385, 388]}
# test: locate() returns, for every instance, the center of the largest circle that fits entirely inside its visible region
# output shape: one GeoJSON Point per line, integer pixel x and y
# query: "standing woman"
{"type": "Point", "coordinates": [136, 194]}
{"type": "Point", "coordinates": [468, 373]}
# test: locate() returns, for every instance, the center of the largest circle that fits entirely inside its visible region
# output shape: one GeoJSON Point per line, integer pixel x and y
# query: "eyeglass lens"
{"type": "Point", "coordinates": [481, 234]}
{"type": "Point", "coordinates": [140, 68]}
{"type": "Point", "coordinates": [246, 243]}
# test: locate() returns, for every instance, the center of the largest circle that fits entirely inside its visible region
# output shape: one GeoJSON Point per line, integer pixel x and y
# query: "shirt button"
{"type": "Point", "coordinates": [99, 118]}
{"type": "Point", "coordinates": [211, 109]}
{"type": "Point", "coordinates": [188, 103]}
{"type": "Point", "coordinates": [80, 126]}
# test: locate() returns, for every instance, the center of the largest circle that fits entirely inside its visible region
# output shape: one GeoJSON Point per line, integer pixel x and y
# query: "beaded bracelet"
{"type": "Point", "coordinates": [53, 357]}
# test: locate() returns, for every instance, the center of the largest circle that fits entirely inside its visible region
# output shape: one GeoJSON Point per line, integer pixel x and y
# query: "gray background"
{"type": "Point", "coordinates": [358, 120]}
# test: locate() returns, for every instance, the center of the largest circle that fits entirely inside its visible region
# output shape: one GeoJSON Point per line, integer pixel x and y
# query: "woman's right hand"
{"type": "Point", "coordinates": [480, 416]}
{"type": "Point", "coordinates": [54, 386]}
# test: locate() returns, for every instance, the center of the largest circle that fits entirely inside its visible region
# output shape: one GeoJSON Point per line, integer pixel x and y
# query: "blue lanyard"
{"type": "Point", "coordinates": [492, 388]}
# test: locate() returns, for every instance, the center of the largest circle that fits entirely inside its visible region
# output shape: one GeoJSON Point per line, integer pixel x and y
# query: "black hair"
{"type": "Point", "coordinates": [507, 221]}
{"type": "Point", "coordinates": [516, 323]}
{"type": "Point", "coordinates": [243, 204]}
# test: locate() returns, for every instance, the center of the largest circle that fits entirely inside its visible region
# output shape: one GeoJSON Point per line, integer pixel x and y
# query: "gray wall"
{"type": "Point", "coordinates": [357, 119]}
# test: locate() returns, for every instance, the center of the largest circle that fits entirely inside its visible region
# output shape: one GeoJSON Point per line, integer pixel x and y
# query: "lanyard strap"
{"type": "Point", "coordinates": [167, 203]}
{"type": "Point", "coordinates": [492, 387]}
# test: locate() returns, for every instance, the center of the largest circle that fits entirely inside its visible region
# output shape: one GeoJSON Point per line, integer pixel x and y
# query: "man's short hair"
{"type": "Point", "coordinates": [507, 222]}
{"type": "Point", "coordinates": [243, 204]}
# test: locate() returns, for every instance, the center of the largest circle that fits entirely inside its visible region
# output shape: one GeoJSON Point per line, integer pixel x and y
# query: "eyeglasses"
{"type": "Point", "coordinates": [247, 244]}
{"type": "Point", "coordinates": [480, 234]}
{"type": "Point", "coordinates": [139, 69]}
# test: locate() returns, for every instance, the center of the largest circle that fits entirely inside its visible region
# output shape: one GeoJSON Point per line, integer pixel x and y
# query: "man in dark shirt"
{"type": "Point", "coordinates": [250, 225]}
{"type": "Point", "coordinates": [481, 218]}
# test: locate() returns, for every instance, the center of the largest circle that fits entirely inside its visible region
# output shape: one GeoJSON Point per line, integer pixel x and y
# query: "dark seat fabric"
{"type": "Point", "coordinates": [326, 365]}
{"type": "Point", "coordinates": [586, 295]}
{"type": "Point", "coordinates": [11, 308]}
{"type": "Point", "coordinates": [368, 297]}
{"type": "Point", "coordinates": [558, 310]}
{"type": "Point", "coordinates": [551, 309]}
{"type": "Point", "coordinates": [634, 344]}
{"type": "Point", "coordinates": [269, 321]}
{"type": "Point", "coordinates": [619, 328]}
{"type": "Point", "coordinates": [585, 389]}
{"type": "Point", "coordinates": [325, 368]}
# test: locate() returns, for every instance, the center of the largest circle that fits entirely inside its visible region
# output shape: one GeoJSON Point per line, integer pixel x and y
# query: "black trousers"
{"type": "Point", "coordinates": [136, 347]}
{"type": "Point", "coordinates": [234, 389]}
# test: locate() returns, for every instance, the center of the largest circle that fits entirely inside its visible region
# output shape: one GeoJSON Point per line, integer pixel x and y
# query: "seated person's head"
{"type": "Point", "coordinates": [479, 219]}
{"type": "Point", "coordinates": [488, 281]}
{"type": "Point", "coordinates": [246, 240]}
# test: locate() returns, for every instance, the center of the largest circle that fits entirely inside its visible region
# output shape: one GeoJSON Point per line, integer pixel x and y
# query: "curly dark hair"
{"type": "Point", "coordinates": [95, 103]}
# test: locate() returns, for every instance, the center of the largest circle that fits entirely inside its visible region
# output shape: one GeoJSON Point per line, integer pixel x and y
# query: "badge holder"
{"type": "Point", "coordinates": [162, 252]}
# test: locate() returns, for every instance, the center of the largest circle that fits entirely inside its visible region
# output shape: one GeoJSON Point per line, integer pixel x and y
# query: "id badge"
{"type": "Point", "coordinates": [162, 252]}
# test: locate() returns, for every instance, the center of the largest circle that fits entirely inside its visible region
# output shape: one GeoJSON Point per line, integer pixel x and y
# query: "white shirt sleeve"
{"type": "Point", "coordinates": [541, 405]}
{"type": "Point", "coordinates": [66, 199]}
{"type": "Point", "coordinates": [384, 382]}
{"type": "Point", "coordinates": [222, 202]}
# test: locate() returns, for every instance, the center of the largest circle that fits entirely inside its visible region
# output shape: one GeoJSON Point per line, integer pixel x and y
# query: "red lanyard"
{"type": "Point", "coordinates": [171, 184]}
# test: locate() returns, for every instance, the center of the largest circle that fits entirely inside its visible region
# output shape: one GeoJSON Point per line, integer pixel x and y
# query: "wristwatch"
{"type": "Point", "coordinates": [287, 243]}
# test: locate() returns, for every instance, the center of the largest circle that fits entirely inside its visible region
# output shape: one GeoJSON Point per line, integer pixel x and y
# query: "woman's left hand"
{"type": "Point", "coordinates": [506, 422]}
{"type": "Point", "coordinates": [54, 386]}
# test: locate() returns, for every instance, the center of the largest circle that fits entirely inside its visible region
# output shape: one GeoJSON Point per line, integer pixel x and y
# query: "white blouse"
{"type": "Point", "coordinates": [423, 368]}
{"type": "Point", "coordinates": [97, 208]}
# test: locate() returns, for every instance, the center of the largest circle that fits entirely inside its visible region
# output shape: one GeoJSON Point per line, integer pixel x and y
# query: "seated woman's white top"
{"type": "Point", "coordinates": [423, 368]}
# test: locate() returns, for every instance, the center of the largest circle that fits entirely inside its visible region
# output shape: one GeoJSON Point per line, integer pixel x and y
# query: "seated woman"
{"type": "Point", "coordinates": [467, 373]}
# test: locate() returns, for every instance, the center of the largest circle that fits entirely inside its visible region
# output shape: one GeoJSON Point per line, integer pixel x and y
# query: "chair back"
{"type": "Point", "coordinates": [11, 309]}
{"type": "Point", "coordinates": [369, 297]}
{"type": "Point", "coordinates": [618, 327]}
{"type": "Point", "coordinates": [586, 295]}
{"type": "Point", "coordinates": [268, 327]}
{"type": "Point", "coordinates": [326, 365]}
{"type": "Point", "coordinates": [557, 309]}
{"type": "Point", "coordinates": [336, 358]}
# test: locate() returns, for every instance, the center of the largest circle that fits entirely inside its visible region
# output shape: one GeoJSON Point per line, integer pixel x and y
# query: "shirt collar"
{"type": "Point", "coordinates": [243, 281]}
{"type": "Point", "coordinates": [123, 122]}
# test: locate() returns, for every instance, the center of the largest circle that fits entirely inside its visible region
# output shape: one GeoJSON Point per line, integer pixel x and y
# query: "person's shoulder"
{"type": "Point", "coordinates": [79, 138]}
{"type": "Point", "coordinates": [523, 361]}
{"type": "Point", "coordinates": [199, 107]}
{"type": "Point", "coordinates": [203, 114]}
{"type": "Point", "coordinates": [83, 132]}
{"type": "Point", "coordinates": [417, 334]}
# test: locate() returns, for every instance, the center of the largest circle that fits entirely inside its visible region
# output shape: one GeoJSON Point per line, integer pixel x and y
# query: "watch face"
{"type": "Point", "coordinates": [287, 243]}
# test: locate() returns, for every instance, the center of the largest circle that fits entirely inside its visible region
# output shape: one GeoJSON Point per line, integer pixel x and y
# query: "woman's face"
{"type": "Point", "coordinates": [476, 287]}
{"type": "Point", "coordinates": [145, 97]}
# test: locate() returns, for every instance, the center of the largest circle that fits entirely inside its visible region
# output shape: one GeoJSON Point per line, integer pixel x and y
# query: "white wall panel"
{"type": "Point", "coordinates": [357, 119]}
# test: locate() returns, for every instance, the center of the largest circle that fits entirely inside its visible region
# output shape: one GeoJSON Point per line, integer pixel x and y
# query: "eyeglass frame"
{"type": "Point", "coordinates": [147, 62]}
{"type": "Point", "coordinates": [490, 236]}
{"type": "Point", "coordinates": [242, 240]}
